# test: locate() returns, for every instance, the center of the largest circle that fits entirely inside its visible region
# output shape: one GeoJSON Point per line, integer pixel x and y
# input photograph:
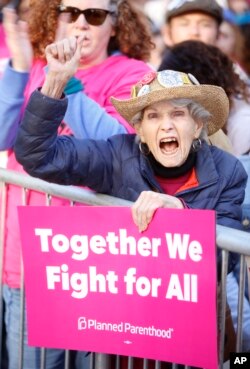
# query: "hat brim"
{"type": "Point", "coordinates": [216, 15]}
{"type": "Point", "coordinates": [212, 98]}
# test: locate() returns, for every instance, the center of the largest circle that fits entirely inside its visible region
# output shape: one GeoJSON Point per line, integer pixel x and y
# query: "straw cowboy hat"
{"type": "Point", "coordinates": [168, 85]}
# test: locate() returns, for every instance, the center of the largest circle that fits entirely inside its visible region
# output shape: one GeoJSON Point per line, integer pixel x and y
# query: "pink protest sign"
{"type": "Point", "coordinates": [94, 283]}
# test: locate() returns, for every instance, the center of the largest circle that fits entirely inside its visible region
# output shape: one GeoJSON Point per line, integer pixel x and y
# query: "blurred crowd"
{"type": "Point", "coordinates": [122, 41]}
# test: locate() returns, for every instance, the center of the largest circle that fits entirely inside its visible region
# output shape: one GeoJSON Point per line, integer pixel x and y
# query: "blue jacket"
{"type": "Point", "coordinates": [117, 167]}
{"type": "Point", "coordinates": [80, 110]}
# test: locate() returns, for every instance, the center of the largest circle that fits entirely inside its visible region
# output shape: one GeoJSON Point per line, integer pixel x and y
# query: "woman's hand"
{"type": "Point", "coordinates": [17, 39]}
{"type": "Point", "coordinates": [63, 59]}
{"type": "Point", "coordinates": [147, 203]}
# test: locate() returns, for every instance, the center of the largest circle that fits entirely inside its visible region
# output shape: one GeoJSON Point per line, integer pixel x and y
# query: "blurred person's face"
{"type": "Point", "coordinates": [157, 52]}
{"type": "Point", "coordinates": [191, 26]}
{"type": "Point", "coordinates": [139, 2]}
{"type": "Point", "coordinates": [23, 9]}
{"type": "Point", "coordinates": [227, 39]}
{"type": "Point", "coordinates": [97, 37]}
{"type": "Point", "coordinates": [238, 6]}
{"type": "Point", "coordinates": [4, 2]}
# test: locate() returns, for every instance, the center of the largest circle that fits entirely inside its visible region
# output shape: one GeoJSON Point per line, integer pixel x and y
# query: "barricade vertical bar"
{"type": "Point", "coordinates": [67, 352]}
{"type": "Point", "coordinates": [21, 332]}
{"type": "Point", "coordinates": [22, 299]}
{"type": "Point", "coordinates": [43, 349]}
{"type": "Point", "coordinates": [247, 259]}
{"type": "Point", "coordinates": [43, 358]}
{"type": "Point", "coordinates": [157, 365]}
{"type": "Point", "coordinates": [117, 362]}
{"type": "Point", "coordinates": [3, 190]}
{"type": "Point", "coordinates": [102, 361]}
{"type": "Point", "coordinates": [222, 306]}
{"type": "Point", "coordinates": [240, 303]}
{"type": "Point", "coordinates": [66, 359]}
{"type": "Point", "coordinates": [145, 364]}
{"type": "Point", "coordinates": [92, 360]}
{"type": "Point", "coordinates": [130, 362]}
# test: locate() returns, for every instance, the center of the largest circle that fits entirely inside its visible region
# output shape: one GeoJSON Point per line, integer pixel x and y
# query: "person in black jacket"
{"type": "Point", "coordinates": [167, 164]}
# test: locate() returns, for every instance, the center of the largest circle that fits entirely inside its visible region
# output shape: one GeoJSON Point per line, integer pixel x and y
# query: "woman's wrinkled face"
{"type": "Point", "coordinates": [168, 132]}
{"type": "Point", "coordinates": [96, 38]}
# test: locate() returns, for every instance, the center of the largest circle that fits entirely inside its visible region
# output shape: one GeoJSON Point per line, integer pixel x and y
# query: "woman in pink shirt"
{"type": "Point", "coordinates": [115, 50]}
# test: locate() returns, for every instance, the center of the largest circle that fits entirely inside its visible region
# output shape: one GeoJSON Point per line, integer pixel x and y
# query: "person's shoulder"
{"type": "Point", "coordinates": [221, 155]}
{"type": "Point", "coordinates": [226, 162]}
{"type": "Point", "coordinates": [123, 139]}
{"type": "Point", "coordinates": [221, 140]}
{"type": "Point", "coordinates": [124, 144]}
{"type": "Point", "coordinates": [239, 105]}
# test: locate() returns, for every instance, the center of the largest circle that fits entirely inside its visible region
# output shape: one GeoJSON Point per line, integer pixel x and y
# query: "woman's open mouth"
{"type": "Point", "coordinates": [169, 145]}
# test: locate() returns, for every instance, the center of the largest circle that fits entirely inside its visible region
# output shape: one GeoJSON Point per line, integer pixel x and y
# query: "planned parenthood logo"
{"type": "Point", "coordinates": [85, 324]}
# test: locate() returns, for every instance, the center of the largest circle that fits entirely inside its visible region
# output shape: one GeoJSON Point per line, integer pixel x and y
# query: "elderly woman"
{"type": "Point", "coordinates": [166, 164]}
{"type": "Point", "coordinates": [116, 45]}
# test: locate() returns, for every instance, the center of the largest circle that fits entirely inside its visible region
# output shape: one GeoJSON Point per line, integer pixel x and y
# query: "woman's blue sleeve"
{"type": "Point", "coordinates": [87, 119]}
{"type": "Point", "coordinates": [12, 86]}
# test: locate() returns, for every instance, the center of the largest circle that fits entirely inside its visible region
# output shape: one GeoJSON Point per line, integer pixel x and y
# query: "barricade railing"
{"type": "Point", "coordinates": [227, 239]}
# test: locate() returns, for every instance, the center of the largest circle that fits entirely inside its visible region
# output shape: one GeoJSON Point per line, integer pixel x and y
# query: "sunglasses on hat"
{"type": "Point", "coordinates": [93, 16]}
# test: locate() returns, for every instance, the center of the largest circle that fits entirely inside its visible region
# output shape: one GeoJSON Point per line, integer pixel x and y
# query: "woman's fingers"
{"type": "Point", "coordinates": [17, 38]}
{"type": "Point", "coordinates": [63, 50]}
{"type": "Point", "coordinates": [63, 57]}
{"type": "Point", "coordinates": [144, 209]}
{"type": "Point", "coordinates": [79, 42]}
{"type": "Point", "coordinates": [23, 27]}
{"type": "Point", "coordinates": [146, 205]}
{"type": "Point", "coordinates": [9, 16]}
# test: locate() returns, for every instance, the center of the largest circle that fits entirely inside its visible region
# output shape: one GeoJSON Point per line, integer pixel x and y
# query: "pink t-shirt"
{"type": "Point", "coordinates": [4, 52]}
{"type": "Point", "coordinates": [113, 77]}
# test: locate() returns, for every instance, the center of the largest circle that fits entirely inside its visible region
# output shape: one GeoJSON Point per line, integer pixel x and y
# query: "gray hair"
{"type": "Point", "coordinates": [196, 110]}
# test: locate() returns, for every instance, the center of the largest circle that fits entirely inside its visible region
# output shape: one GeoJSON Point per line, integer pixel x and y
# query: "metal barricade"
{"type": "Point", "coordinates": [228, 239]}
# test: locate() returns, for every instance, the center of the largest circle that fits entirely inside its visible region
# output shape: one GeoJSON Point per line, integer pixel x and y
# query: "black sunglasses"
{"type": "Point", "coordinates": [94, 16]}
